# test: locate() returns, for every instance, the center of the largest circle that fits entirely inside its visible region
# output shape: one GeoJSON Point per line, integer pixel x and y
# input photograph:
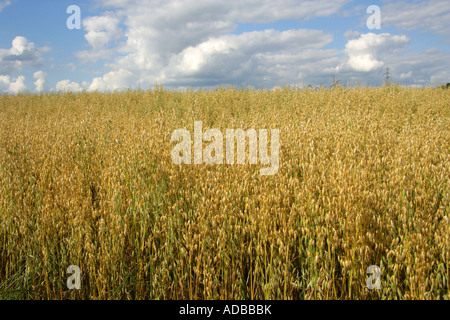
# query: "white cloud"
{"type": "Point", "coordinates": [229, 53]}
{"type": "Point", "coordinates": [40, 80]}
{"type": "Point", "coordinates": [111, 81]}
{"type": "Point", "coordinates": [228, 59]}
{"type": "Point", "coordinates": [67, 86]}
{"type": "Point", "coordinates": [18, 85]}
{"type": "Point", "coordinates": [364, 62]}
{"type": "Point", "coordinates": [101, 32]}
{"type": "Point", "coordinates": [179, 43]}
{"type": "Point", "coordinates": [365, 52]}
{"type": "Point", "coordinates": [15, 85]}
{"type": "Point", "coordinates": [21, 54]}
{"type": "Point", "coordinates": [183, 43]}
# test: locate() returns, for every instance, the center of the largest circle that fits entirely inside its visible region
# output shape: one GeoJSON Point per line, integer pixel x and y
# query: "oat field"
{"type": "Point", "coordinates": [87, 179]}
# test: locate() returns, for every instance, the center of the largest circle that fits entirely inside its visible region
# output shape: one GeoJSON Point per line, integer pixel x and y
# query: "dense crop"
{"type": "Point", "coordinates": [87, 179]}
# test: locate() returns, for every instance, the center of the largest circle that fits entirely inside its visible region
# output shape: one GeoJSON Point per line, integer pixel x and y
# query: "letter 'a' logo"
{"type": "Point", "coordinates": [74, 281]}
{"type": "Point", "coordinates": [374, 281]}
{"type": "Point", "coordinates": [74, 21]}
{"type": "Point", "coordinates": [374, 21]}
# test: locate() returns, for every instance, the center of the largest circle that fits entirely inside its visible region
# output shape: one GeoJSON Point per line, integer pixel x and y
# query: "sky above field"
{"type": "Point", "coordinates": [123, 44]}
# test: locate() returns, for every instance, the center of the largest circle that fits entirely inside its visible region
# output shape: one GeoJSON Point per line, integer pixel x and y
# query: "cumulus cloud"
{"type": "Point", "coordinates": [17, 85]}
{"type": "Point", "coordinates": [225, 59]}
{"type": "Point", "coordinates": [40, 80]}
{"type": "Point", "coordinates": [168, 27]}
{"type": "Point", "coordinates": [232, 54]}
{"type": "Point", "coordinates": [365, 53]}
{"type": "Point", "coordinates": [111, 81]}
{"type": "Point", "coordinates": [21, 54]}
{"type": "Point", "coordinates": [101, 31]}
{"type": "Point", "coordinates": [180, 43]}
{"type": "Point", "coordinates": [68, 86]}
{"type": "Point", "coordinates": [12, 85]}
{"type": "Point", "coordinates": [190, 42]}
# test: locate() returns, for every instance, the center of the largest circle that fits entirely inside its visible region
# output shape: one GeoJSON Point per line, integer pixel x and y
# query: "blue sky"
{"type": "Point", "coordinates": [128, 43]}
